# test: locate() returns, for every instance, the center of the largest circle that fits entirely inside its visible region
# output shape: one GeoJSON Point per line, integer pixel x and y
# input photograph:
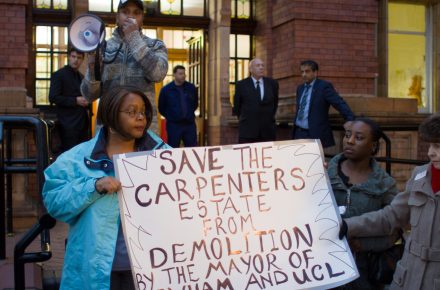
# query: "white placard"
{"type": "Point", "coordinates": [245, 216]}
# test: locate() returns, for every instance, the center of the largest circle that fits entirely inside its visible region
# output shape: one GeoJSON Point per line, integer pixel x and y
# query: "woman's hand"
{"type": "Point", "coordinates": [107, 184]}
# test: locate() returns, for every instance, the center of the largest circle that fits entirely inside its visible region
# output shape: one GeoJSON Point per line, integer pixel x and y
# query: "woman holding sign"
{"type": "Point", "coordinates": [81, 190]}
{"type": "Point", "coordinates": [360, 185]}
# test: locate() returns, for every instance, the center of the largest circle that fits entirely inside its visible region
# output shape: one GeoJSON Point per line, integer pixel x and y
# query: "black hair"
{"type": "Point", "coordinates": [376, 131]}
{"type": "Point", "coordinates": [429, 130]}
{"type": "Point", "coordinates": [138, 3]}
{"type": "Point", "coordinates": [110, 103]}
{"type": "Point", "coordinates": [177, 67]}
{"type": "Point", "coordinates": [74, 49]}
{"type": "Point", "coordinates": [311, 63]}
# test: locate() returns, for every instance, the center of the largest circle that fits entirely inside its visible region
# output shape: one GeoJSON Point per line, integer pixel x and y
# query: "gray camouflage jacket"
{"type": "Point", "coordinates": [136, 60]}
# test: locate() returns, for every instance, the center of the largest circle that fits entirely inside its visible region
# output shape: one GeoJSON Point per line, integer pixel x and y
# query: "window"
{"type": "Point", "coordinates": [409, 54]}
{"type": "Point", "coordinates": [176, 41]}
{"type": "Point", "coordinates": [51, 4]}
{"type": "Point", "coordinates": [103, 5]}
{"type": "Point", "coordinates": [178, 38]}
{"type": "Point", "coordinates": [167, 7]}
{"type": "Point", "coordinates": [50, 44]}
{"type": "Point", "coordinates": [241, 9]}
{"type": "Point", "coordinates": [240, 51]}
{"type": "Point", "coordinates": [183, 7]}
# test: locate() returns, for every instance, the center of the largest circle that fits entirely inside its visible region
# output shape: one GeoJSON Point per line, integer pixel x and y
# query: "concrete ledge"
{"type": "Point", "coordinates": [12, 97]}
{"type": "Point", "coordinates": [375, 104]}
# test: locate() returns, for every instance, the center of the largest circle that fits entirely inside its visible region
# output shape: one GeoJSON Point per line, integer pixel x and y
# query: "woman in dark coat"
{"type": "Point", "coordinates": [360, 185]}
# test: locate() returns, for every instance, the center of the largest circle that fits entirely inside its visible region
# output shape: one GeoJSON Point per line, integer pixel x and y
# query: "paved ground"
{"type": "Point", "coordinates": [52, 267]}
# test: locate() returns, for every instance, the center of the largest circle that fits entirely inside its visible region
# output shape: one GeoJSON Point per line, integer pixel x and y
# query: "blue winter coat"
{"type": "Point", "coordinates": [171, 103]}
{"type": "Point", "coordinates": [69, 195]}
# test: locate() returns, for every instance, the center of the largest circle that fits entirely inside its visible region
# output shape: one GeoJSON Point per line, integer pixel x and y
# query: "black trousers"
{"type": "Point", "coordinates": [121, 280]}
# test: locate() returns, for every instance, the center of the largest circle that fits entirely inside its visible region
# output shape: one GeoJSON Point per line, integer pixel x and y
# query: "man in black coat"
{"type": "Point", "coordinates": [71, 107]}
{"type": "Point", "coordinates": [313, 100]}
{"type": "Point", "coordinates": [255, 105]}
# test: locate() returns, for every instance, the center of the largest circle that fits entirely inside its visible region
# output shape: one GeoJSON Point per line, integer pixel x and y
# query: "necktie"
{"type": "Point", "coordinates": [303, 103]}
{"type": "Point", "coordinates": [259, 91]}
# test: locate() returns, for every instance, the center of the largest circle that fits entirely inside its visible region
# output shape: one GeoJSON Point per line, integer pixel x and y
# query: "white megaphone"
{"type": "Point", "coordinates": [87, 32]}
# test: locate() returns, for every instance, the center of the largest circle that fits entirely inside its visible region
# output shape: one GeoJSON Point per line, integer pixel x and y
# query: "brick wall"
{"type": "Point", "coordinates": [13, 47]}
{"type": "Point", "coordinates": [339, 35]}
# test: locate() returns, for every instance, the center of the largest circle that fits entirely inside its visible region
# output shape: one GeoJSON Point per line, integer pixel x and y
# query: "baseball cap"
{"type": "Point", "coordinates": [138, 3]}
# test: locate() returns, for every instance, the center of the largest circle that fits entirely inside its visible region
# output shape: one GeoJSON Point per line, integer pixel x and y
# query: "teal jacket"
{"type": "Point", "coordinates": [69, 195]}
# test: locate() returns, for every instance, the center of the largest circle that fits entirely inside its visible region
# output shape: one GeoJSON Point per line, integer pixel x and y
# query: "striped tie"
{"type": "Point", "coordinates": [303, 103]}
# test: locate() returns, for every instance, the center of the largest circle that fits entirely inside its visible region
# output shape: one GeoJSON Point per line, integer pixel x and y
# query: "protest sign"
{"type": "Point", "coordinates": [247, 216]}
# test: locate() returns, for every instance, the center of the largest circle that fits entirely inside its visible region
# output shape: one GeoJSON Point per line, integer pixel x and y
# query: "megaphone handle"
{"type": "Point", "coordinates": [97, 65]}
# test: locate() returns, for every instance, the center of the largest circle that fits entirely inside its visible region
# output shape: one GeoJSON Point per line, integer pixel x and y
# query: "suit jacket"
{"type": "Point", "coordinates": [256, 116]}
{"type": "Point", "coordinates": [323, 96]}
{"type": "Point", "coordinates": [64, 88]}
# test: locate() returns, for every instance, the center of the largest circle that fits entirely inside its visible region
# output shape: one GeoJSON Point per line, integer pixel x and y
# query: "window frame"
{"type": "Point", "coordinates": [51, 55]}
{"type": "Point", "coordinates": [235, 58]}
{"type": "Point", "coordinates": [251, 10]}
{"type": "Point", "coordinates": [432, 81]}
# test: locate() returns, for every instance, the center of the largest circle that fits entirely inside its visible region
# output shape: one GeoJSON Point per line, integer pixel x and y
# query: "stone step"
{"type": "Point", "coordinates": [33, 275]}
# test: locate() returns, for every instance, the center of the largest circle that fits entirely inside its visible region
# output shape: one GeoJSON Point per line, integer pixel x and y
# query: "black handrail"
{"type": "Point", "coordinates": [45, 223]}
{"type": "Point", "coordinates": [387, 159]}
{"type": "Point", "coordinates": [9, 165]}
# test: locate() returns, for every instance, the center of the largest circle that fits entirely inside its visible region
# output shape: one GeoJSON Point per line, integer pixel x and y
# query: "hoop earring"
{"type": "Point", "coordinates": [110, 129]}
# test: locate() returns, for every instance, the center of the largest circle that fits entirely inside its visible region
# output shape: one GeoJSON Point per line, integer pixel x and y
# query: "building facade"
{"type": "Point", "coordinates": [382, 56]}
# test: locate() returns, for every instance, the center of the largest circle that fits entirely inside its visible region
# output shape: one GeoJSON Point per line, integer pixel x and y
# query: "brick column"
{"type": "Point", "coordinates": [263, 34]}
{"type": "Point", "coordinates": [218, 54]}
{"type": "Point", "coordinates": [79, 7]}
{"type": "Point", "coordinates": [13, 46]}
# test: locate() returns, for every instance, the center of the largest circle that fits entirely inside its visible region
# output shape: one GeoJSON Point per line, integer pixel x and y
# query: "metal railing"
{"type": "Point", "coordinates": [45, 223]}
{"type": "Point", "coordinates": [9, 166]}
{"type": "Point", "coordinates": [387, 159]}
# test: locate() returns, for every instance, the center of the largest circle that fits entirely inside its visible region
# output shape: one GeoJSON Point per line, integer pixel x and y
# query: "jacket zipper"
{"type": "Point", "coordinates": [348, 200]}
{"type": "Point", "coordinates": [124, 62]}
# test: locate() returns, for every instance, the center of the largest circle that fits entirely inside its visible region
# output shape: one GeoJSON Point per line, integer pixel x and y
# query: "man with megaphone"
{"type": "Point", "coordinates": [129, 58]}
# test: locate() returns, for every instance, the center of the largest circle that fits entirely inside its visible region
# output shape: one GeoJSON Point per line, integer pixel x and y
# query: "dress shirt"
{"type": "Point", "coordinates": [304, 123]}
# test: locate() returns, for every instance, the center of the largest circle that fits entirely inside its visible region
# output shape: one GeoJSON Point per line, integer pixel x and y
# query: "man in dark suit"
{"type": "Point", "coordinates": [72, 108]}
{"type": "Point", "coordinates": [313, 101]}
{"type": "Point", "coordinates": [255, 105]}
